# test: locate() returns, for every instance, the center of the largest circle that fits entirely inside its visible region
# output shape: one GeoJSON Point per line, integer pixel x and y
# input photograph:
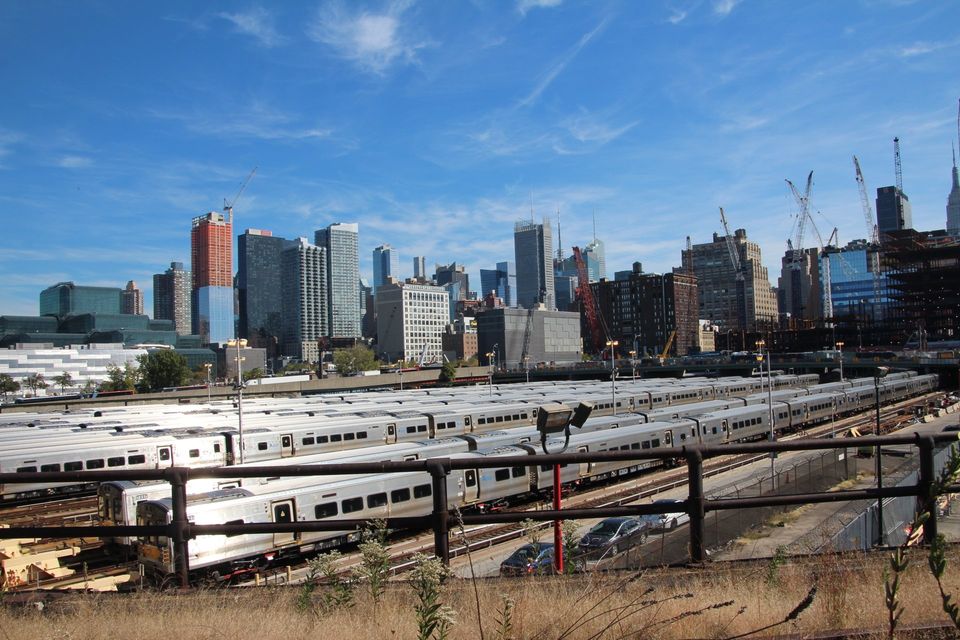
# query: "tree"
{"type": "Point", "coordinates": [448, 373]}
{"type": "Point", "coordinates": [8, 385]}
{"type": "Point", "coordinates": [63, 381]}
{"type": "Point", "coordinates": [121, 379]}
{"type": "Point", "coordinates": [35, 381]}
{"type": "Point", "coordinates": [161, 369]}
{"type": "Point", "coordinates": [254, 374]}
{"type": "Point", "coordinates": [353, 360]}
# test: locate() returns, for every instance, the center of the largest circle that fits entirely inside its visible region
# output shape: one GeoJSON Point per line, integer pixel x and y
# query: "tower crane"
{"type": "Point", "coordinates": [873, 235]}
{"type": "Point", "coordinates": [873, 232]}
{"type": "Point", "coordinates": [899, 174]}
{"type": "Point", "coordinates": [228, 205]}
{"type": "Point", "coordinates": [585, 294]}
{"type": "Point", "coordinates": [803, 202]}
{"type": "Point", "coordinates": [738, 269]}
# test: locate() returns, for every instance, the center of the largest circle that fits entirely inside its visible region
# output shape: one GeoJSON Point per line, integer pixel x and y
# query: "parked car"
{"type": "Point", "coordinates": [615, 534]}
{"type": "Point", "coordinates": [529, 560]}
{"type": "Point", "coordinates": [672, 517]}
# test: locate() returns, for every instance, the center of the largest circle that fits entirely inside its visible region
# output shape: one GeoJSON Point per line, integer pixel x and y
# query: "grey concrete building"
{"type": "Point", "coordinates": [554, 336]}
{"type": "Point", "coordinates": [533, 252]}
{"type": "Point", "coordinates": [171, 297]}
{"type": "Point", "coordinates": [411, 318]}
{"type": "Point", "coordinates": [798, 287]}
{"type": "Point", "coordinates": [341, 242]}
{"type": "Point", "coordinates": [304, 299]}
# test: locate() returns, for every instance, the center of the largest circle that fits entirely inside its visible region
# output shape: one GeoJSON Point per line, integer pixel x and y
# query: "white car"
{"type": "Point", "coordinates": [671, 519]}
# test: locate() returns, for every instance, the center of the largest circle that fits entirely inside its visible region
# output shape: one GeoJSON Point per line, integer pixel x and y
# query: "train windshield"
{"type": "Point", "coordinates": [149, 514]}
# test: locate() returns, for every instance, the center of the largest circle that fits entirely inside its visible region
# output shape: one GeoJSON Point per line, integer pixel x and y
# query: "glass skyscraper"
{"type": "Point", "coordinates": [533, 249]}
{"type": "Point", "coordinates": [341, 241]}
{"type": "Point", "coordinates": [259, 282]}
{"type": "Point", "coordinates": [211, 252]}
{"type": "Point", "coordinates": [502, 280]}
{"type": "Point", "coordinates": [65, 298]}
{"type": "Point", "coordinates": [854, 291]}
{"type": "Point", "coordinates": [386, 264]}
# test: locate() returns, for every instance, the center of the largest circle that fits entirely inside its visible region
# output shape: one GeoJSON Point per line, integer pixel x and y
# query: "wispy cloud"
{"type": "Point", "coordinates": [677, 16]}
{"type": "Point", "coordinates": [587, 128]}
{"type": "Point", "coordinates": [74, 162]}
{"type": "Point", "coordinates": [372, 41]}
{"type": "Point", "coordinates": [561, 64]}
{"type": "Point", "coordinates": [8, 139]}
{"type": "Point", "coordinates": [921, 48]}
{"type": "Point", "coordinates": [258, 121]}
{"type": "Point", "coordinates": [523, 6]}
{"type": "Point", "coordinates": [258, 23]}
{"type": "Point", "coordinates": [724, 8]}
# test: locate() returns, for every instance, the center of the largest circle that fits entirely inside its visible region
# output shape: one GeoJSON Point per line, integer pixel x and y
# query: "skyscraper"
{"type": "Point", "coordinates": [259, 284]}
{"type": "Point", "coordinates": [456, 274]}
{"type": "Point", "coordinates": [953, 203]}
{"type": "Point", "coordinates": [386, 264]}
{"type": "Point", "coordinates": [502, 281]}
{"type": "Point", "coordinates": [304, 299]}
{"type": "Point", "coordinates": [341, 242]}
{"type": "Point", "coordinates": [419, 267]}
{"type": "Point", "coordinates": [65, 298]}
{"type": "Point", "coordinates": [533, 250]}
{"type": "Point", "coordinates": [171, 297]}
{"type": "Point", "coordinates": [131, 299]}
{"type": "Point", "coordinates": [596, 258]}
{"type": "Point", "coordinates": [893, 210]}
{"type": "Point", "coordinates": [211, 253]}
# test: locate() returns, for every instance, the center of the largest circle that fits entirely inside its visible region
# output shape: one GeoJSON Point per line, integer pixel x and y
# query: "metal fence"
{"type": "Point", "coordinates": [698, 505]}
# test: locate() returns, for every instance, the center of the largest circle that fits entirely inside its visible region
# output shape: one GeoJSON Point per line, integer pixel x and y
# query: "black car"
{"type": "Point", "coordinates": [529, 560]}
{"type": "Point", "coordinates": [615, 534]}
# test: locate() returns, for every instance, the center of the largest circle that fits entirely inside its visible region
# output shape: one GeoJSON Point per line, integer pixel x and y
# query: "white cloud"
{"type": "Point", "coordinates": [724, 7]}
{"type": "Point", "coordinates": [922, 48]}
{"type": "Point", "coordinates": [559, 66]}
{"type": "Point", "coordinates": [258, 121]}
{"type": "Point", "coordinates": [258, 23]}
{"type": "Point", "coordinates": [523, 6]}
{"type": "Point", "coordinates": [74, 162]}
{"type": "Point", "coordinates": [678, 16]}
{"type": "Point", "coordinates": [589, 129]}
{"type": "Point", "coordinates": [373, 41]}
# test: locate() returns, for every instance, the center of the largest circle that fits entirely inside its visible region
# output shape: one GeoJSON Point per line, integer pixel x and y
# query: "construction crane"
{"type": "Point", "coordinates": [803, 202]}
{"type": "Point", "coordinates": [526, 337]}
{"type": "Point", "coordinates": [585, 294]}
{"type": "Point", "coordinates": [228, 205]}
{"type": "Point", "coordinates": [738, 269]}
{"type": "Point", "coordinates": [666, 347]}
{"type": "Point", "coordinates": [873, 232]}
{"type": "Point", "coordinates": [898, 170]}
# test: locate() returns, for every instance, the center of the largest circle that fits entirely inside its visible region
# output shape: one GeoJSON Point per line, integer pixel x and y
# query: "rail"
{"type": "Point", "coordinates": [697, 505]}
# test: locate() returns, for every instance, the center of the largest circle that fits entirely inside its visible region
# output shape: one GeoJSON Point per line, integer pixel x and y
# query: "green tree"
{"type": "Point", "coordinates": [63, 380]}
{"type": "Point", "coordinates": [120, 379]}
{"type": "Point", "coordinates": [254, 374]}
{"type": "Point", "coordinates": [353, 360]}
{"type": "Point", "coordinates": [448, 373]}
{"type": "Point", "coordinates": [8, 385]}
{"type": "Point", "coordinates": [35, 381]}
{"type": "Point", "coordinates": [161, 369]}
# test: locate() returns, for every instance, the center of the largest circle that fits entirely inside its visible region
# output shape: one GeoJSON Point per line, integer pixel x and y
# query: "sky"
{"type": "Point", "coordinates": [437, 125]}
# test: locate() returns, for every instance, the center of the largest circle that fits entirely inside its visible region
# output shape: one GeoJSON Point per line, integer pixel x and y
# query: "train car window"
{"type": "Point", "coordinates": [261, 446]}
{"type": "Point", "coordinates": [117, 461]}
{"type": "Point", "coordinates": [352, 504]}
{"type": "Point", "coordinates": [400, 495]}
{"type": "Point", "coordinates": [336, 437]}
{"type": "Point", "coordinates": [634, 445]}
{"type": "Point", "coordinates": [516, 416]}
{"type": "Point", "coordinates": [50, 467]}
{"type": "Point", "coordinates": [714, 430]}
{"type": "Point", "coordinates": [645, 444]}
{"type": "Point", "coordinates": [95, 464]}
{"type": "Point", "coordinates": [683, 436]}
{"type": "Point", "coordinates": [655, 443]}
{"type": "Point", "coordinates": [325, 510]}
{"type": "Point", "coordinates": [322, 439]}
{"type": "Point", "coordinates": [523, 416]}
{"type": "Point", "coordinates": [216, 447]}
{"type": "Point", "coordinates": [308, 441]}
{"type": "Point", "coordinates": [518, 472]}
{"type": "Point", "coordinates": [481, 421]}
{"type": "Point", "coordinates": [137, 459]}
{"type": "Point", "coordinates": [348, 436]}
{"type": "Point", "coordinates": [72, 466]}
{"type": "Point", "coordinates": [411, 429]}
{"type": "Point", "coordinates": [502, 474]}
{"type": "Point", "coordinates": [499, 418]}
{"type": "Point", "coordinates": [422, 428]}
{"type": "Point", "coordinates": [470, 477]}
{"type": "Point", "coordinates": [544, 468]}
{"type": "Point", "coordinates": [195, 453]}
{"type": "Point", "coordinates": [240, 521]}
{"type": "Point", "coordinates": [422, 491]}
{"type": "Point", "coordinates": [376, 500]}
{"type": "Point", "coordinates": [26, 469]}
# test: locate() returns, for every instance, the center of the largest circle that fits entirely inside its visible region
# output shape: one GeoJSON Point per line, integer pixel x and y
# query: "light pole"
{"type": "Point", "coordinates": [613, 372]}
{"type": "Point", "coordinates": [526, 365]}
{"type": "Point", "coordinates": [633, 365]}
{"type": "Point", "coordinates": [881, 372]}
{"type": "Point", "coordinates": [840, 349]}
{"type": "Point", "coordinates": [239, 343]}
{"type": "Point", "coordinates": [773, 435]}
{"type": "Point", "coordinates": [490, 356]}
{"type": "Point", "coordinates": [208, 366]}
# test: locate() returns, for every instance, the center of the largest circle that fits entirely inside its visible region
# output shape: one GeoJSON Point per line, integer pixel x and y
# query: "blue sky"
{"type": "Point", "coordinates": [437, 125]}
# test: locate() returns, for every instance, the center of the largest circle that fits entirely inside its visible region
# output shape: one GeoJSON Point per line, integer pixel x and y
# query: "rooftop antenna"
{"type": "Point", "coordinates": [896, 164]}
{"type": "Point", "coordinates": [531, 207]}
{"type": "Point", "coordinates": [958, 134]}
{"type": "Point", "coordinates": [594, 225]}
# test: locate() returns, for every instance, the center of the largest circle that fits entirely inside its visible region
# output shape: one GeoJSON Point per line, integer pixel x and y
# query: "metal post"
{"type": "Point", "coordinates": [240, 418]}
{"type": "Point", "coordinates": [180, 525]}
{"type": "Point", "coordinates": [698, 553]}
{"type": "Point", "coordinates": [881, 534]}
{"type": "Point", "coordinates": [441, 540]}
{"type": "Point", "coordinates": [928, 501]}
{"type": "Point", "coordinates": [557, 524]}
{"type": "Point", "coordinates": [613, 372]}
{"type": "Point", "coordinates": [208, 367]}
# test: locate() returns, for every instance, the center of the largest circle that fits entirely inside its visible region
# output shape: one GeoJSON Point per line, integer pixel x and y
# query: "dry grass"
{"type": "Point", "coordinates": [718, 603]}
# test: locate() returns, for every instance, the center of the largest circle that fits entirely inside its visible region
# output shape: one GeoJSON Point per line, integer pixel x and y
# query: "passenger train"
{"type": "Point", "coordinates": [410, 494]}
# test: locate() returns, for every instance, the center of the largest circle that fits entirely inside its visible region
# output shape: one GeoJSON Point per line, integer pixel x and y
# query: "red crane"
{"type": "Point", "coordinates": [585, 294]}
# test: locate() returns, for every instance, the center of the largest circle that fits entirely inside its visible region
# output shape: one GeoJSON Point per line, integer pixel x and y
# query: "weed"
{"type": "Point", "coordinates": [434, 619]}
{"type": "Point", "coordinates": [773, 567]}
{"type": "Point", "coordinates": [505, 618]}
{"type": "Point", "coordinates": [374, 558]}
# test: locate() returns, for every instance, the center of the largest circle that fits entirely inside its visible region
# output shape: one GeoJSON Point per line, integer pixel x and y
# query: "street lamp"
{"type": "Point", "coordinates": [773, 435]}
{"type": "Point", "coordinates": [526, 365]}
{"type": "Point", "coordinates": [490, 355]}
{"type": "Point", "coordinates": [633, 365]}
{"type": "Point", "coordinates": [840, 349]}
{"type": "Point", "coordinates": [880, 373]}
{"type": "Point", "coordinates": [208, 366]}
{"type": "Point", "coordinates": [239, 343]}
{"type": "Point", "coordinates": [613, 372]}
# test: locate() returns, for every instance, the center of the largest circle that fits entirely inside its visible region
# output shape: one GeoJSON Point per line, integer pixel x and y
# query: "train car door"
{"type": "Point", "coordinates": [585, 467]}
{"type": "Point", "coordinates": [471, 488]}
{"type": "Point", "coordinates": [283, 512]}
{"type": "Point", "coordinates": [725, 425]}
{"type": "Point", "coordinates": [228, 453]}
{"type": "Point", "coordinates": [467, 424]}
{"type": "Point", "coordinates": [164, 457]}
{"type": "Point", "coordinates": [286, 445]}
{"type": "Point", "coordinates": [391, 433]}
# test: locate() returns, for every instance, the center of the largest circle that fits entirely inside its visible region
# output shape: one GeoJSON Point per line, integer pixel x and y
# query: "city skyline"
{"type": "Point", "coordinates": [436, 127]}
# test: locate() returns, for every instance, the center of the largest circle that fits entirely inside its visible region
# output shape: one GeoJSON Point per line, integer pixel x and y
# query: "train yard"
{"type": "Point", "coordinates": [417, 419]}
